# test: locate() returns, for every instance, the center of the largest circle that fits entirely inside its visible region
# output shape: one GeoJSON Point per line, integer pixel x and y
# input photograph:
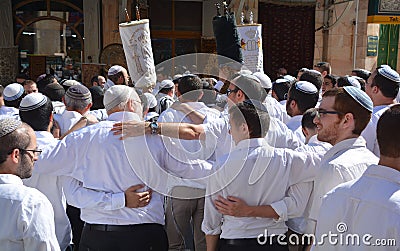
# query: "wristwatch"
{"type": "Point", "coordinates": [154, 127]}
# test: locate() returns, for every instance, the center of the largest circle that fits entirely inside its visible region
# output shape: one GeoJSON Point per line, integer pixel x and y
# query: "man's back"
{"type": "Point", "coordinates": [377, 191]}
{"type": "Point", "coordinates": [27, 217]}
{"type": "Point", "coordinates": [262, 171]}
{"type": "Point", "coordinates": [109, 171]}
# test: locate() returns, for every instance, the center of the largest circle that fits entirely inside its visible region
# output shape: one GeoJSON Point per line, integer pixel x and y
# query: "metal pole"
{"type": "Point", "coordinates": [355, 36]}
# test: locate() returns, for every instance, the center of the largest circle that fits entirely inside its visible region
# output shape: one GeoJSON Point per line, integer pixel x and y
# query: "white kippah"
{"type": "Point", "coordinates": [8, 125]}
{"type": "Point", "coordinates": [389, 73]}
{"type": "Point", "coordinates": [354, 82]}
{"type": "Point", "coordinates": [70, 82]}
{"type": "Point", "coordinates": [114, 70]}
{"type": "Point", "coordinates": [116, 95]}
{"type": "Point", "coordinates": [32, 101]}
{"type": "Point", "coordinates": [13, 91]}
{"type": "Point", "coordinates": [151, 100]}
{"type": "Point", "coordinates": [306, 87]}
{"type": "Point", "coordinates": [290, 78]}
{"type": "Point", "coordinates": [264, 79]}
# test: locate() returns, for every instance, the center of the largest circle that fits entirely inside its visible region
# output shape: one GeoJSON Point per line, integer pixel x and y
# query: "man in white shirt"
{"type": "Point", "coordinates": [165, 95]}
{"type": "Point", "coordinates": [342, 116]}
{"type": "Point", "coordinates": [382, 87]}
{"type": "Point", "coordinates": [252, 168]}
{"type": "Point", "coordinates": [302, 95]}
{"type": "Point", "coordinates": [37, 111]}
{"type": "Point", "coordinates": [351, 208]}
{"type": "Point", "coordinates": [27, 218]}
{"type": "Point", "coordinates": [5, 111]}
{"type": "Point", "coordinates": [78, 101]}
{"type": "Point", "coordinates": [112, 171]}
{"type": "Point", "coordinates": [181, 212]}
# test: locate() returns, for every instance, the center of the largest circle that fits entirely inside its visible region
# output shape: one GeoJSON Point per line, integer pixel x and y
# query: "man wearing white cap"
{"type": "Point", "coordinates": [5, 111]}
{"type": "Point", "coordinates": [149, 107]}
{"type": "Point", "coordinates": [165, 95]}
{"type": "Point", "coordinates": [37, 111]}
{"type": "Point", "coordinates": [78, 101]}
{"type": "Point", "coordinates": [117, 75]}
{"type": "Point", "coordinates": [274, 108]}
{"type": "Point", "coordinates": [342, 115]}
{"type": "Point", "coordinates": [27, 217]}
{"type": "Point", "coordinates": [13, 94]}
{"type": "Point", "coordinates": [302, 96]}
{"type": "Point", "coordinates": [104, 169]}
{"type": "Point", "coordinates": [382, 87]}
{"type": "Point", "coordinates": [350, 209]}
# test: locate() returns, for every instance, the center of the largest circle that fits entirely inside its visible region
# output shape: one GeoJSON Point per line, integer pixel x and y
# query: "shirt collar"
{"type": "Point", "coordinates": [383, 172]}
{"type": "Point", "coordinates": [10, 179]}
{"type": "Point", "coordinates": [123, 116]}
{"type": "Point", "coordinates": [345, 145]}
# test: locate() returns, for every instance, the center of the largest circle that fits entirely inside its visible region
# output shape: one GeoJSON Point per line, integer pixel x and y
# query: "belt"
{"type": "Point", "coordinates": [250, 242]}
{"type": "Point", "coordinates": [118, 228]}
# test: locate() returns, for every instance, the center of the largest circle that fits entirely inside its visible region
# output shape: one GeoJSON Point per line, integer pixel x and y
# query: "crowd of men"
{"type": "Point", "coordinates": [240, 163]}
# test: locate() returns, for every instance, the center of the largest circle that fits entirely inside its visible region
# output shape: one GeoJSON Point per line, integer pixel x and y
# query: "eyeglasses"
{"type": "Point", "coordinates": [229, 91]}
{"type": "Point", "coordinates": [36, 152]}
{"type": "Point", "coordinates": [321, 112]}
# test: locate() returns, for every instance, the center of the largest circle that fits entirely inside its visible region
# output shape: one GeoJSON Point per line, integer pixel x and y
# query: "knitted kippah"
{"type": "Point", "coordinates": [8, 126]}
{"type": "Point", "coordinates": [78, 92]}
{"type": "Point", "coordinates": [32, 101]}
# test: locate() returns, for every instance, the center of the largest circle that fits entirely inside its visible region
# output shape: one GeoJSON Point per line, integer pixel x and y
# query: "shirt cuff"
{"type": "Point", "coordinates": [117, 201]}
{"type": "Point", "coordinates": [281, 209]}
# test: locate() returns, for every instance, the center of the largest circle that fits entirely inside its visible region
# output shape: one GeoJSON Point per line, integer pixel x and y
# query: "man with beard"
{"type": "Point", "coordinates": [27, 215]}
{"type": "Point", "coordinates": [342, 116]}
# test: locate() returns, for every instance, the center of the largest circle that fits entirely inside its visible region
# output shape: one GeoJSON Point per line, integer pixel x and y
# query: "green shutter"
{"type": "Point", "coordinates": [388, 44]}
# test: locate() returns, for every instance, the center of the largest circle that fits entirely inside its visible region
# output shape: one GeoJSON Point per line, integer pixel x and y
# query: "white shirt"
{"type": "Point", "coordinates": [102, 162]}
{"type": "Point", "coordinates": [276, 110]}
{"type": "Point", "coordinates": [191, 149]}
{"type": "Point", "coordinates": [294, 124]}
{"type": "Point", "coordinates": [260, 175]}
{"type": "Point", "coordinates": [369, 132]}
{"type": "Point", "coordinates": [185, 150]}
{"type": "Point", "coordinates": [100, 114]}
{"type": "Point", "coordinates": [58, 107]}
{"type": "Point", "coordinates": [27, 218]}
{"type": "Point", "coordinates": [302, 192]}
{"type": "Point", "coordinates": [367, 205]}
{"type": "Point", "coordinates": [51, 186]}
{"type": "Point", "coordinates": [66, 120]}
{"type": "Point", "coordinates": [9, 112]}
{"type": "Point", "coordinates": [345, 161]}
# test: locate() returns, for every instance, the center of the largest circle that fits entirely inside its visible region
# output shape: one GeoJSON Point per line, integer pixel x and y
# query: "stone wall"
{"type": "Point", "coordinates": [8, 65]}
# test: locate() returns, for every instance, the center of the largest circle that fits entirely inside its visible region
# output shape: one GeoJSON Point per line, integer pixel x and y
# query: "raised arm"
{"type": "Point", "coordinates": [174, 130]}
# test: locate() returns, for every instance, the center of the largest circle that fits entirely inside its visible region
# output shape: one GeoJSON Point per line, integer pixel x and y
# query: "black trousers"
{"type": "Point", "coordinates": [249, 245]}
{"type": "Point", "coordinates": [140, 237]}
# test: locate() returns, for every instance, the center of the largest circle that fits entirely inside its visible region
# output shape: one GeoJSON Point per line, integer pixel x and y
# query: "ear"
{"type": "Point", "coordinates": [244, 128]}
{"type": "Point", "coordinates": [63, 100]}
{"type": "Point", "coordinates": [305, 132]}
{"type": "Point", "coordinates": [15, 156]}
{"type": "Point", "coordinates": [375, 89]}
{"type": "Point", "coordinates": [348, 121]}
{"type": "Point", "coordinates": [240, 95]}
